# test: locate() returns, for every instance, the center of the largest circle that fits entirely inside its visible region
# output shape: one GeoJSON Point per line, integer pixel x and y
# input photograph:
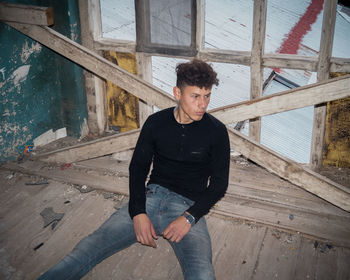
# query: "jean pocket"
{"type": "Point", "coordinates": [188, 202]}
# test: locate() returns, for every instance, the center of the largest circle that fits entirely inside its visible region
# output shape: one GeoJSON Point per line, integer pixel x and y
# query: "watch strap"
{"type": "Point", "coordinates": [190, 219]}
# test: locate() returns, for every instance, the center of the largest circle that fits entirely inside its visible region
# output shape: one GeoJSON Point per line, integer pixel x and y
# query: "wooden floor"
{"type": "Point", "coordinates": [264, 228]}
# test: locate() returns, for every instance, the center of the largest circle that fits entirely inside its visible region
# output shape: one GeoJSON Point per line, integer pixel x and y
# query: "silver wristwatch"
{"type": "Point", "coordinates": [190, 219]}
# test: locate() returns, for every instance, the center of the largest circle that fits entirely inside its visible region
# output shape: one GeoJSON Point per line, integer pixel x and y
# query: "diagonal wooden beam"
{"type": "Point", "coordinates": [284, 101]}
{"type": "Point", "coordinates": [96, 64]}
{"type": "Point", "coordinates": [295, 173]}
{"type": "Point", "coordinates": [92, 149]}
{"type": "Point", "coordinates": [26, 14]}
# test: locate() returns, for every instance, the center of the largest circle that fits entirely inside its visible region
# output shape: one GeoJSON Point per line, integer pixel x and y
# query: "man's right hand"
{"type": "Point", "coordinates": [144, 230]}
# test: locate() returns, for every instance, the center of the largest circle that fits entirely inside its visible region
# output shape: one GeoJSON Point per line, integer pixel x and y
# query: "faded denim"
{"type": "Point", "coordinates": [117, 233]}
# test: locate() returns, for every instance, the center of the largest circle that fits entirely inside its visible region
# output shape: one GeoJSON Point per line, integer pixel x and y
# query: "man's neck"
{"type": "Point", "coordinates": [181, 116]}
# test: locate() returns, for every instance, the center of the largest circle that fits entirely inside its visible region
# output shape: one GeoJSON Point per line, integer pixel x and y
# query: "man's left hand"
{"type": "Point", "coordinates": [177, 229]}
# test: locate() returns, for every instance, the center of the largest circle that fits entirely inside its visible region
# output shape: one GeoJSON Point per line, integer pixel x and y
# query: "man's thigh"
{"type": "Point", "coordinates": [194, 253]}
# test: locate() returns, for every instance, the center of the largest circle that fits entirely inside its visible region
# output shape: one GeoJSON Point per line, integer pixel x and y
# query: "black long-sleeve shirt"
{"type": "Point", "coordinates": [186, 157]}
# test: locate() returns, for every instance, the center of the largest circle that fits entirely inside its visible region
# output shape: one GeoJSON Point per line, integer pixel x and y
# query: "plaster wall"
{"type": "Point", "coordinates": [39, 89]}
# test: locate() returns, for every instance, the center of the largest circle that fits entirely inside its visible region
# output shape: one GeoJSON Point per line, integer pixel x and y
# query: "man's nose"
{"type": "Point", "coordinates": [202, 103]}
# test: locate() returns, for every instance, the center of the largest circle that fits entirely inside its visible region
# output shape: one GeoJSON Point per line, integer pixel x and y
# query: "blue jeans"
{"type": "Point", "coordinates": [163, 206]}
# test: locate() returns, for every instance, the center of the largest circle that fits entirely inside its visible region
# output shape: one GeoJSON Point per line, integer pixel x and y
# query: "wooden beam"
{"type": "Point", "coordinates": [319, 123]}
{"type": "Point", "coordinates": [200, 25]}
{"type": "Point", "coordinates": [290, 61]}
{"type": "Point", "coordinates": [97, 64]}
{"type": "Point", "coordinates": [291, 171]}
{"type": "Point", "coordinates": [102, 146]}
{"type": "Point", "coordinates": [256, 68]}
{"type": "Point", "coordinates": [144, 71]}
{"type": "Point", "coordinates": [26, 14]}
{"type": "Point", "coordinates": [89, 12]}
{"type": "Point", "coordinates": [107, 44]}
{"type": "Point", "coordinates": [284, 101]}
{"type": "Point", "coordinates": [340, 64]}
{"type": "Point", "coordinates": [225, 56]}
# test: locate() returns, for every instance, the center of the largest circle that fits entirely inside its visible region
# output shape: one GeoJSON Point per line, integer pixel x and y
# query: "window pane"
{"type": "Point", "coordinates": [118, 19]}
{"type": "Point", "coordinates": [170, 22]}
{"type": "Point", "coordinates": [341, 40]}
{"type": "Point", "coordinates": [228, 24]}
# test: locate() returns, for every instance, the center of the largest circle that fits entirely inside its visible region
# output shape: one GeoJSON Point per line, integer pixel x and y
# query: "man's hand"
{"type": "Point", "coordinates": [144, 230]}
{"type": "Point", "coordinates": [177, 229]}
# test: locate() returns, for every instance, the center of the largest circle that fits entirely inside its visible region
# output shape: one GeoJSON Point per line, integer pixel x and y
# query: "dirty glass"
{"type": "Point", "coordinates": [170, 22]}
{"type": "Point", "coordinates": [118, 19]}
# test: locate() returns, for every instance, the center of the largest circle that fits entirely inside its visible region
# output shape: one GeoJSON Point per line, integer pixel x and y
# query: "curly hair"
{"type": "Point", "coordinates": [196, 73]}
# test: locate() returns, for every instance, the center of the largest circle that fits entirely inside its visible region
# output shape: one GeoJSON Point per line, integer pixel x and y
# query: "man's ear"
{"type": "Point", "coordinates": [177, 93]}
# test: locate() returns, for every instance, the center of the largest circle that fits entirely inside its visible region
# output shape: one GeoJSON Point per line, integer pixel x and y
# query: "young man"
{"type": "Point", "coordinates": [190, 153]}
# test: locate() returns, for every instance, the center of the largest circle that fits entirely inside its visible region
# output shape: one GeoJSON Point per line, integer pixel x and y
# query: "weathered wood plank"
{"type": "Point", "coordinates": [284, 101]}
{"type": "Point", "coordinates": [100, 147]}
{"type": "Point", "coordinates": [107, 44]}
{"type": "Point", "coordinates": [323, 70]}
{"type": "Point", "coordinates": [26, 14]}
{"type": "Point", "coordinates": [71, 176]}
{"type": "Point", "coordinates": [285, 255]}
{"type": "Point", "coordinates": [200, 25]}
{"type": "Point", "coordinates": [91, 29]}
{"type": "Point", "coordinates": [290, 61]}
{"type": "Point", "coordinates": [340, 64]}
{"type": "Point", "coordinates": [96, 64]}
{"type": "Point", "coordinates": [333, 229]}
{"type": "Point", "coordinates": [291, 171]}
{"type": "Point", "coordinates": [225, 56]}
{"type": "Point", "coordinates": [256, 68]}
{"type": "Point", "coordinates": [234, 255]}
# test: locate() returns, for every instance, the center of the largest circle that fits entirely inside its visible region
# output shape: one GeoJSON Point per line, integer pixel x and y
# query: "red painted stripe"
{"type": "Point", "coordinates": [293, 39]}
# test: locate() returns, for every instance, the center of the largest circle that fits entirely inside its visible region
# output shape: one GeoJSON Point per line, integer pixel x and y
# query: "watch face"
{"type": "Point", "coordinates": [190, 218]}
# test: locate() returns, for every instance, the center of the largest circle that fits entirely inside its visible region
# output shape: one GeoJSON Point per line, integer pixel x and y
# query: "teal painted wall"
{"type": "Point", "coordinates": [39, 89]}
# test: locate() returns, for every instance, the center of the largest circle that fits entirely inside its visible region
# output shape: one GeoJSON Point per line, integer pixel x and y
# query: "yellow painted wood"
{"type": "Point", "coordinates": [337, 136]}
{"type": "Point", "coordinates": [122, 106]}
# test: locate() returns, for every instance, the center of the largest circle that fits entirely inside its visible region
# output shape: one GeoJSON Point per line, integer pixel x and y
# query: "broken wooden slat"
{"type": "Point", "coordinates": [284, 101]}
{"type": "Point", "coordinates": [96, 64]}
{"type": "Point", "coordinates": [291, 171]}
{"type": "Point", "coordinates": [26, 14]}
{"type": "Point", "coordinates": [92, 149]}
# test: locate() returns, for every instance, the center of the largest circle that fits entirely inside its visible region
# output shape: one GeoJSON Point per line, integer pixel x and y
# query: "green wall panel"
{"type": "Point", "coordinates": [39, 89]}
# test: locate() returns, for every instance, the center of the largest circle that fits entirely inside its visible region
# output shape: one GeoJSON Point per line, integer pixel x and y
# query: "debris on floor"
{"type": "Point", "coordinates": [50, 216]}
{"type": "Point", "coordinates": [84, 188]}
{"type": "Point", "coordinates": [41, 181]}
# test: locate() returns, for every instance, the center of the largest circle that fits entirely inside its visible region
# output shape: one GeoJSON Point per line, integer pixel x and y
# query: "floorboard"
{"type": "Point", "coordinates": [253, 234]}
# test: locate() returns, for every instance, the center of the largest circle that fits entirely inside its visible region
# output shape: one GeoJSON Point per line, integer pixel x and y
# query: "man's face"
{"type": "Point", "coordinates": [193, 102]}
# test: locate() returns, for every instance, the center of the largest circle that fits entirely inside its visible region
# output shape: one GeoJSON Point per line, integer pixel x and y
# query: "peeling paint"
{"type": "Point", "coordinates": [73, 31]}
{"type": "Point", "coordinates": [28, 51]}
{"type": "Point", "coordinates": [6, 113]}
{"type": "Point", "coordinates": [2, 71]}
{"type": "Point", "coordinates": [84, 129]}
{"type": "Point", "coordinates": [20, 74]}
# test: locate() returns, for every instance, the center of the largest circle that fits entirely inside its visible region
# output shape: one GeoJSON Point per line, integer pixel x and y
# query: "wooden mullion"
{"type": "Point", "coordinates": [323, 70]}
{"type": "Point", "coordinates": [256, 68]}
